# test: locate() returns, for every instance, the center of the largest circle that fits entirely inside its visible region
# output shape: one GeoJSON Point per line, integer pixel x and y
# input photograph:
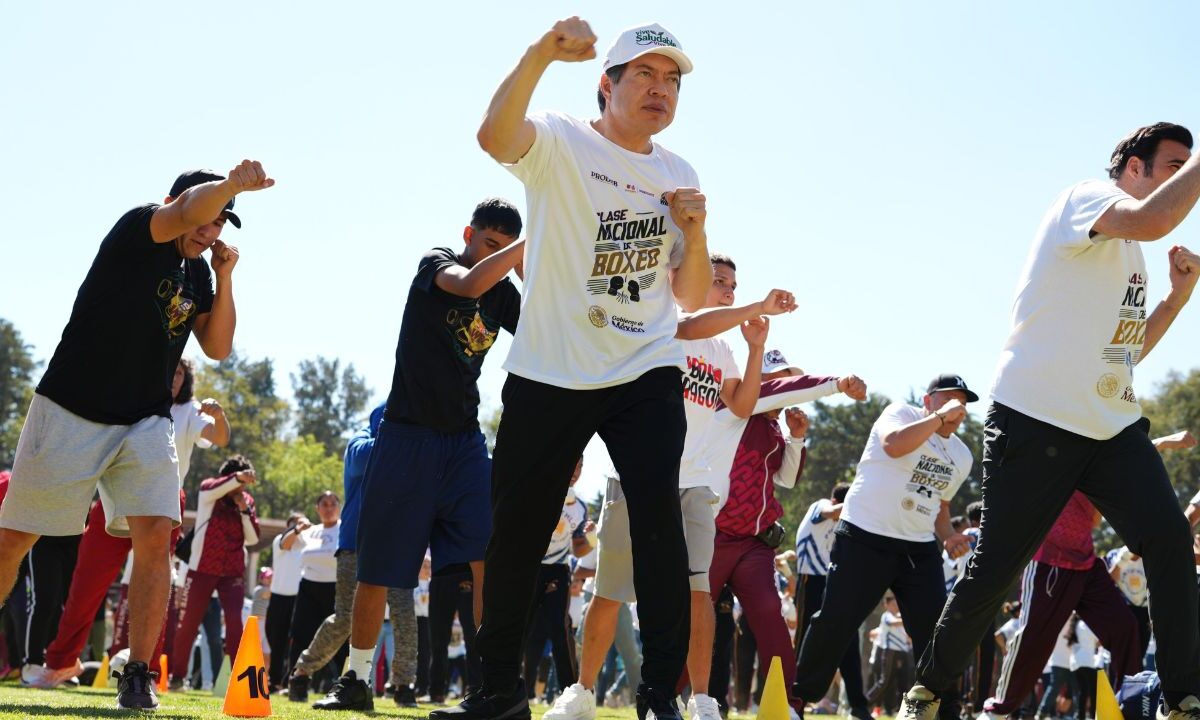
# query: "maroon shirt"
{"type": "Point", "coordinates": [1069, 543]}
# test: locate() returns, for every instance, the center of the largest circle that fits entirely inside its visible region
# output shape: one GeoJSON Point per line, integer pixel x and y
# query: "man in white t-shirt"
{"type": "Point", "coordinates": [713, 377]}
{"type": "Point", "coordinates": [1064, 416]}
{"type": "Point", "coordinates": [616, 239]}
{"type": "Point", "coordinates": [894, 525]}
{"type": "Point", "coordinates": [814, 542]}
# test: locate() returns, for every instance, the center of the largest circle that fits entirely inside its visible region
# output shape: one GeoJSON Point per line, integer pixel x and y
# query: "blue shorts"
{"type": "Point", "coordinates": [423, 489]}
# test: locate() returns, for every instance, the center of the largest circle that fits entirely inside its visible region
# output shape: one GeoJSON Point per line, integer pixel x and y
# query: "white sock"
{"type": "Point", "coordinates": [360, 663]}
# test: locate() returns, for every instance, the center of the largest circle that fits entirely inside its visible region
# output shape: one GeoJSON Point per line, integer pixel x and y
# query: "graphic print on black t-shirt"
{"type": "Point", "coordinates": [444, 339]}
{"type": "Point", "coordinates": [176, 301]}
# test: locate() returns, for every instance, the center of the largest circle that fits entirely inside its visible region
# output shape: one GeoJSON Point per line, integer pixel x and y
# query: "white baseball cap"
{"type": "Point", "coordinates": [643, 39]}
{"type": "Point", "coordinates": [773, 361]}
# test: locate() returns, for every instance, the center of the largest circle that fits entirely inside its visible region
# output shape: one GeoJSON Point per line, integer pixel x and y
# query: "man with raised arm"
{"type": "Point", "coordinates": [616, 240]}
{"type": "Point", "coordinates": [1064, 416]}
{"type": "Point", "coordinates": [101, 415]}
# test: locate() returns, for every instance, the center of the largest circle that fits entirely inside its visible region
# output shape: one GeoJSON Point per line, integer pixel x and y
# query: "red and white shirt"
{"type": "Point", "coordinates": [222, 531]}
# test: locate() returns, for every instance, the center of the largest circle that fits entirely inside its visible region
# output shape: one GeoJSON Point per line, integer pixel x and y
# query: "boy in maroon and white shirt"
{"type": "Point", "coordinates": [225, 524]}
{"type": "Point", "coordinates": [755, 456]}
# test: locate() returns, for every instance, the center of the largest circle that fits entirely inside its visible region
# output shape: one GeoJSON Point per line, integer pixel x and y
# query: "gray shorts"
{"type": "Point", "coordinates": [62, 459]}
{"type": "Point", "coordinates": [614, 556]}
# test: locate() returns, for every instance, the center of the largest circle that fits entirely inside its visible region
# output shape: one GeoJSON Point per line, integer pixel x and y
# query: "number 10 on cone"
{"type": "Point", "coordinates": [248, 694]}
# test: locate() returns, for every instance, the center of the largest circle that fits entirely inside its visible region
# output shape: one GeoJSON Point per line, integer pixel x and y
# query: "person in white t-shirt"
{"type": "Point", "coordinates": [1064, 415]}
{"type": "Point", "coordinates": [616, 239]}
{"type": "Point", "coordinates": [893, 658]}
{"type": "Point", "coordinates": [894, 525]}
{"type": "Point", "coordinates": [318, 546]}
{"type": "Point", "coordinates": [713, 378]}
{"type": "Point", "coordinates": [1085, 649]}
{"type": "Point", "coordinates": [1129, 573]}
{"type": "Point", "coordinates": [285, 583]}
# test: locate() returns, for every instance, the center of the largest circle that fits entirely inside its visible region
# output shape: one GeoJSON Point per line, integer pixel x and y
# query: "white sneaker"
{"type": "Point", "coordinates": [985, 715]}
{"type": "Point", "coordinates": [703, 707]}
{"type": "Point", "coordinates": [575, 703]}
{"type": "Point", "coordinates": [1189, 709]}
{"type": "Point", "coordinates": [35, 675]}
{"type": "Point", "coordinates": [919, 704]}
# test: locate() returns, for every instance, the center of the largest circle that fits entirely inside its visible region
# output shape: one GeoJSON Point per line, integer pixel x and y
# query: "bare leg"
{"type": "Point", "coordinates": [14, 544]}
{"type": "Point", "coordinates": [149, 585]}
{"type": "Point", "coordinates": [700, 644]}
{"type": "Point", "coordinates": [599, 628]}
{"type": "Point", "coordinates": [369, 602]}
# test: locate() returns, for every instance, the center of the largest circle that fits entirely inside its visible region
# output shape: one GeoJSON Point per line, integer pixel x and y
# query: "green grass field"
{"type": "Point", "coordinates": [20, 702]}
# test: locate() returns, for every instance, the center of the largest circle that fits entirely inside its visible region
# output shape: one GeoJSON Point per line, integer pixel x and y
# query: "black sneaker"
{"type": "Point", "coordinates": [656, 704]}
{"type": "Point", "coordinates": [405, 696]}
{"type": "Point", "coordinates": [479, 705]}
{"type": "Point", "coordinates": [348, 693]}
{"type": "Point", "coordinates": [135, 688]}
{"type": "Point", "coordinates": [298, 688]}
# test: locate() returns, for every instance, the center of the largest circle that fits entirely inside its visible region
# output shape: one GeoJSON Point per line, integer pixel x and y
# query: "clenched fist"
{"type": "Point", "coordinates": [570, 40]}
{"type": "Point", "coordinates": [853, 387]}
{"type": "Point", "coordinates": [777, 302]}
{"type": "Point", "coordinates": [224, 257]}
{"type": "Point", "coordinates": [797, 422]}
{"type": "Point", "coordinates": [952, 413]}
{"type": "Point", "coordinates": [249, 176]}
{"type": "Point", "coordinates": [687, 209]}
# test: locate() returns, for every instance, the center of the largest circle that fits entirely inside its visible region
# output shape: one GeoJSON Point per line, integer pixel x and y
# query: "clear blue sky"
{"type": "Point", "coordinates": [886, 162]}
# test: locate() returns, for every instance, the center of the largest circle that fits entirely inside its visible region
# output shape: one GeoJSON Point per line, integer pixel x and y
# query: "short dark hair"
{"type": "Point", "coordinates": [614, 74]}
{"type": "Point", "coordinates": [1143, 143]}
{"type": "Point", "coordinates": [719, 259]}
{"type": "Point", "coordinates": [186, 390]}
{"type": "Point", "coordinates": [839, 492]}
{"type": "Point", "coordinates": [958, 522]}
{"type": "Point", "coordinates": [234, 464]}
{"type": "Point", "coordinates": [497, 214]}
{"type": "Point", "coordinates": [975, 511]}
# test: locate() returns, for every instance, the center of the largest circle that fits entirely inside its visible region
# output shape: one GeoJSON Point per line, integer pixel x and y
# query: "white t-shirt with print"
{"type": "Point", "coordinates": [189, 424]}
{"type": "Point", "coordinates": [814, 539]}
{"type": "Point", "coordinates": [892, 636]}
{"type": "Point", "coordinates": [901, 497]}
{"type": "Point", "coordinates": [570, 522]}
{"type": "Point", "coordinates": [1078, 322]}
{"type": "Point", "coordinates": [421, 599]}
{"type": "Point", "coordinates": [596, 302]}
{"type": "Point", "coordinates": [710, 363]}
{"type": "Point", "coordinates": [317, 556]}
{"type": "Point", "coordinates": [1131, 577]}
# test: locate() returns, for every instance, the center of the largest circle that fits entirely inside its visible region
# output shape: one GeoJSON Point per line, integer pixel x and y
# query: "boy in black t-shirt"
{"type": "Point", "coordinates": [428, 481]}
{"type": "Point", "coordinates": [101, 415]}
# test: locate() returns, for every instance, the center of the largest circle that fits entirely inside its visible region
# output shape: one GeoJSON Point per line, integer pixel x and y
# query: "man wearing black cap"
{"type": "Point", "coordinates": [100, 418]}
{"type": "Point", "coordinates": [894, 524]}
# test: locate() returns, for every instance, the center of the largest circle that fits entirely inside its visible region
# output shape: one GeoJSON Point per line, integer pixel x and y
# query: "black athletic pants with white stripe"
{"type": "Point", "coordinates": [1030, 470]}
{"type": "Point", "coordinates": [542, 434]}
{"type": "Point", "coordinates": [51, 561]}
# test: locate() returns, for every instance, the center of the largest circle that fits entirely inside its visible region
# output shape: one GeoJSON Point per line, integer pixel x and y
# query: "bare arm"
{"type": "Point", "coordinates": [474, 282]}
{"type": "Point", "coordinates": [1192, 514]}
{"type": "Point", "coordinates": [219, 432]}
{"type": "Point", "coordinates": [1159, 213]}
{"type": "Point", "coordinates": [742, 395]}
{"type": "Point", "coordinates": [956, 543]}
{"type": "Point", "coordinates": [1184, 270]}
{"type": "Point", "coordinates": [214, 329]}
{"type": "Point", "coordinates": [505, 133]}
{"type": "Point", "coordinates": [204, 203]}
{"type": "Point", "coordinates": [1182, 440]}
{"type": "Point", "coordinates": [904, 440]}
{"type": "Point", "coordinates": [833, 512]}
{"type": "Point", "coordinates": [290, 537]}
{"type": "Point", "coordinates": [711, 322]}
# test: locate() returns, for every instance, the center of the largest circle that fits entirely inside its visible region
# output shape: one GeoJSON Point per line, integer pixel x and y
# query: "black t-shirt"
{"type": "Point", "coordinates": [443, 340]}
{"type": "Point", "coordinates": [132, 317]}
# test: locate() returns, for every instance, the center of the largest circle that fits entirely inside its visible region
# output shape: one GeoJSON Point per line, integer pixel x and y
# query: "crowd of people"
{"type": "Point", "coordinates": [442, 564]}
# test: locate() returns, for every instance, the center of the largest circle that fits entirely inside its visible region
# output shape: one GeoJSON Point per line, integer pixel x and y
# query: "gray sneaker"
{"type": "Point", "coordinates": [1189, 709]}
{"type": "Point", "coordinates": [921, 704]}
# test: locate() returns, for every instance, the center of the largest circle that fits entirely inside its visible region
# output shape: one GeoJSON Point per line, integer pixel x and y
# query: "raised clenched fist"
{"type": "Point", "coordinates": [570, 40]}
{"type": "Point", "coordinates": [249, 176]}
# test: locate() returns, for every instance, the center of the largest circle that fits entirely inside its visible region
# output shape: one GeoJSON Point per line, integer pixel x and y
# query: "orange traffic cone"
{"type": "Point", "coordinates": [162, 674]}
{"type": "Point", "coordinates": [774, 705]}
{"type": "Point", "coordinates": [248, 692]}
{"type": "Point", "coordinates": [1107, 707]}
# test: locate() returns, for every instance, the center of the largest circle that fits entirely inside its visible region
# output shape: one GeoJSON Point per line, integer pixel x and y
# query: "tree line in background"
{"type": "Point", "coordinates": [297, 447]}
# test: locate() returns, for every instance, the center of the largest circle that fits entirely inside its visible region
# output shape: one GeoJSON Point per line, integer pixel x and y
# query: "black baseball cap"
{"type": "Point", "coordinates": [192, 178]}
{"type": "Point", "coordinates": [950, 381]}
